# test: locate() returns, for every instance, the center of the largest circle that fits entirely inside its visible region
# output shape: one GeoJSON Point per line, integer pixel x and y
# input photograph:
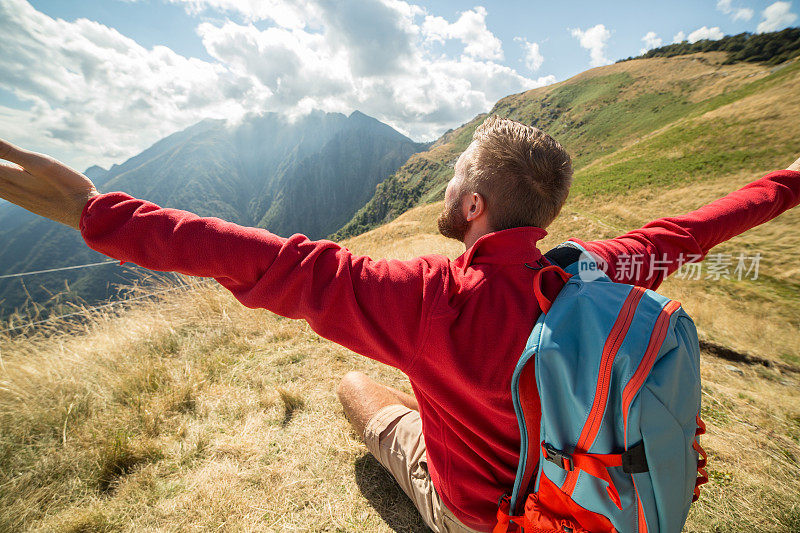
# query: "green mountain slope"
{"type": "Point", "coordinates": [603, 111]}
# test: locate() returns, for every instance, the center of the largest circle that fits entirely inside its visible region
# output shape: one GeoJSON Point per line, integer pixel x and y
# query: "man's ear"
{"type": "Point", "coordinates": [475, 206]}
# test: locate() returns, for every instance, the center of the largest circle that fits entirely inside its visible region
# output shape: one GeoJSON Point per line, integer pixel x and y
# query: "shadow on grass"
{"type": "Point", "coordinates": [386, 496]}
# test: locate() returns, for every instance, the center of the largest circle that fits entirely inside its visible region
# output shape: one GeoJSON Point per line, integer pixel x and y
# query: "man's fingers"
{"type": "Point", "coordinates": [12, 173]}
{"type": "Point", "coordinates": [12, 184]}
{"type": "Point", "coordinates": [8, 151]}
{"type": "Point", "coordinates": [23, 158]}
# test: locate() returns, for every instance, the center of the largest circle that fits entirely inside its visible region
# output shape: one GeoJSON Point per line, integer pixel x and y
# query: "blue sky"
{"type": "Point", "coordinates": [98, 81]}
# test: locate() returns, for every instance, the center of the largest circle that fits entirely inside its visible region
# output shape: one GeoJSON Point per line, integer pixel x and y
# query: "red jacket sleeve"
{"type": "Point", "coordinates": [647, 255]}
{"type": "Point", "coordinates": [377, 308]}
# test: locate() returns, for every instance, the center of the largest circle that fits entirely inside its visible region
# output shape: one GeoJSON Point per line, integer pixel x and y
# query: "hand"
{"type": "Point", "coordinates": [795, 165]}
{"type": "Point", "coordinates": [43, 185]}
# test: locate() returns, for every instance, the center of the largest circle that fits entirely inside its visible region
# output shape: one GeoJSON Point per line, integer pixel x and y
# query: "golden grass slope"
{"type": "Point", "coordinates": [192, 412]}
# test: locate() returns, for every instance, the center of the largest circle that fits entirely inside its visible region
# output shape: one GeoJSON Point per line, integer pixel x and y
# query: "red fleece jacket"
{"type": "Point", "coordinates": [456, 328]}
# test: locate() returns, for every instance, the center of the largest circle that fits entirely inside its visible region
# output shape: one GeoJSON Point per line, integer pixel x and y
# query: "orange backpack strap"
{"type": "Point", "coordinates": [507, 523]}
{"type": "Point", "coordinates": [594, 464]}
{"type": "Point", "coordinates": [544, 301]}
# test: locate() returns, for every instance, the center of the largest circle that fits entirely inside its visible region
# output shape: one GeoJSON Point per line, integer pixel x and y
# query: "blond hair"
{"type": "Point", "coordinates": [523, 174]}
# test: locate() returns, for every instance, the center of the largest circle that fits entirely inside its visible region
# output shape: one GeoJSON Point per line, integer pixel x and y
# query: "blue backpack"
{"type": "Point", "coordinates": [608, 409]}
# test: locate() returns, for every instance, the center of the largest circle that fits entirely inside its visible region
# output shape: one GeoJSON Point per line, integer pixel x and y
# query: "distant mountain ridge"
{"type": "Point", "coordinates": [308, 175]}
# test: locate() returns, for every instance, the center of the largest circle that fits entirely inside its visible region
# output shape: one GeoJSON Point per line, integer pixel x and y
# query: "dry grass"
{"type": "Point", "coordinates": [196, 413]}
{"type": "Point", "coordinates": [753, 441]}
{"type": "Point", "coordinates": [192, 412]}
{"type": "Point", "coordinates": [189, 411]}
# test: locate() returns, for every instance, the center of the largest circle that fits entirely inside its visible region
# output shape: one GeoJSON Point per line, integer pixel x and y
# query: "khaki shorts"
{"type": "Point", "coordinates": [394, 437]}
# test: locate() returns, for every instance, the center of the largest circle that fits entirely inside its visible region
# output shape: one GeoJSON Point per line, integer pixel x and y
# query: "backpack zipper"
{"type": "Point", "coordinates": [612, 345]}
{"type": "Point", "coordinates": [648, 360]}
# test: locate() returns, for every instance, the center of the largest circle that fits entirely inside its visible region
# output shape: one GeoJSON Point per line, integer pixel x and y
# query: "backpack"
{"type": "Point", "coordinates": [607, 396]}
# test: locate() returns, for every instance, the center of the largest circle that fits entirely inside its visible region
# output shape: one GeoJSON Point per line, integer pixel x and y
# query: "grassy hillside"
{"type": "Point", "coordinates": [603, 111]}
{"type": "Point", "coordinates": [770, 48]}
{"type": "Point", "coordinates": [191, 411]}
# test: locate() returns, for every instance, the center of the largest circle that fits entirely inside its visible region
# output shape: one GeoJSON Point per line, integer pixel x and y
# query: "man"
{"type": "Point", "coordinates": [456, 328]}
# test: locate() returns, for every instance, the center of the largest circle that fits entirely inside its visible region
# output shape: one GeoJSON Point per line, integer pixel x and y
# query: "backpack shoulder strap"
{"type": "Point", "coordinates": [575, 259]}
{"type": "Point", "coordinates": [564, 254]}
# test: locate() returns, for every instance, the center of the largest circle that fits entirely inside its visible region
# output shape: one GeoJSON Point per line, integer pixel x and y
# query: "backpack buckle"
{"type": "Point", "coordinates": [557, 457]}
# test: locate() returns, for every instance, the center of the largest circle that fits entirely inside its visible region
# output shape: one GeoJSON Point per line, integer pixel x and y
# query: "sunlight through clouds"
{"type": "Point", "coordinates": [100, 93]}
{"type": "Point", "coordinates": [98, 96]}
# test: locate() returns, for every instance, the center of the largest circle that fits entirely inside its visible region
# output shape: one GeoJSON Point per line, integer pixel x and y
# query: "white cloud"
{"type": "Point", "coordinates": [595, 39]}
{"type": "Point", "coordinates": [776, 17]}
{"type": "Point", "coordinates": [97, 96]}
{"type": "Point", "coordinates": [738, 13]}
{"type": "Point", "coordinates": [533, 56]}
{"type": "Point", "coordinates": [470, 29]}
{"type": "Point", "coordinates": [712, 34]}
{"type": "Point", "coordinates": [651, 40]}
{"type": "Point", "coordinates": [420, 94]}
{"type": "Point", "coordinates": [93, 91]}
{"type": "Point", "coordinates": [294, 14]}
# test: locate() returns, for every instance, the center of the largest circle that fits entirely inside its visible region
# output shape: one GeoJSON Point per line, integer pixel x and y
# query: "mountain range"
{"type": "Point", "coordinates": [308, 175]}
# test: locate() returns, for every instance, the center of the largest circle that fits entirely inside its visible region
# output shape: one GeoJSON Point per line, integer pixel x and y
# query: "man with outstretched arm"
{"type": "Point", "coordinates": [455, 328]}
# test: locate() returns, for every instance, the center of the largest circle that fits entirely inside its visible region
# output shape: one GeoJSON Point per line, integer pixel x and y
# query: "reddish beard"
{"type": "Point", "coordinates": [452, 222]}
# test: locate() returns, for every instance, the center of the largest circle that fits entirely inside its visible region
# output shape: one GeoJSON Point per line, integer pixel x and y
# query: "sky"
{"type": "Point", "coordinates": [98, 81]}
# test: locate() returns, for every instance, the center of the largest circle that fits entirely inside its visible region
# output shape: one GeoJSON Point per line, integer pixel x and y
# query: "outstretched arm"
{"type": "Point", "coordinates": [378, 308]}
{"type": "Point", "coordinates": [646, 256]}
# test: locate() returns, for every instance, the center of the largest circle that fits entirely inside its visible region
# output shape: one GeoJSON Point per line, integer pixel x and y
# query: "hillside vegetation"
{"type": "Point", "coordinates": [770, 48]}
{"type": "Point", "coordinates": [192, 412]}
{"type": "Point", "coordinates": [189, 411]}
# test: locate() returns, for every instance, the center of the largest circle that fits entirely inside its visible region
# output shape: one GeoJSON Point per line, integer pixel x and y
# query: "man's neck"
{"type": "Point", "coordinates": [473, 234]}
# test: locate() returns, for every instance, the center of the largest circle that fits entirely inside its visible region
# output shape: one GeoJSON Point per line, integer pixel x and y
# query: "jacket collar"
{"type": "Point", "coordinates": [508, 246]}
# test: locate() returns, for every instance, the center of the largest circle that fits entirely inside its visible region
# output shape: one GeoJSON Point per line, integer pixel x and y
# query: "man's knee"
{"type": "Point", "coordinates": [351, 382]}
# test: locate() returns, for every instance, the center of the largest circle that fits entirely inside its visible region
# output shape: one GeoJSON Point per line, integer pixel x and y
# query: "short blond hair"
{"type": "Point", "coordinates": [523, 174]}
